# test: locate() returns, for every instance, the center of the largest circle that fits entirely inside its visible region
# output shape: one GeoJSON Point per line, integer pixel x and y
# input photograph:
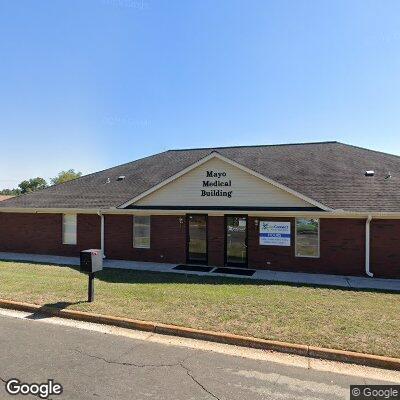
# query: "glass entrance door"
{"type": "Point", "coordinates": [197, 239]}
{"type": "Point", "coordinates": [236, 240]}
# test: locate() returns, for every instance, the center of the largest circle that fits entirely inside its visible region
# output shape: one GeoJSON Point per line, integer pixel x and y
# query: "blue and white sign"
{"type": "Point", "coordinates": [273, 233]}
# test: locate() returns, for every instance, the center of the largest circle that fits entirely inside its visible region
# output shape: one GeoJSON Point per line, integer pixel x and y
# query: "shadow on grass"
{"type": "Point", "coordinates": [43, 311]}
{"type": "Point", "coordinates": [117, 275]}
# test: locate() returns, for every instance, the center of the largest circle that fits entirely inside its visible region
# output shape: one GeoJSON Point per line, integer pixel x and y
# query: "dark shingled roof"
{"type": "Point", "coordinates": [331, 173]}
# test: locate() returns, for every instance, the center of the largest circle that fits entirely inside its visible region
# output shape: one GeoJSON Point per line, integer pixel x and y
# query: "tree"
{"type": "Point", "coordinates": [65, 176]}
{"type": "Point", "coordinates": [10, 192]}
{"type": "Point", "coordinates": [32, 185]}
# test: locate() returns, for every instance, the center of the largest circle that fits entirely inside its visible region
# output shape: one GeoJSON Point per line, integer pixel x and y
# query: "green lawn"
{"type": "Point", "coordinates": [362, 321]}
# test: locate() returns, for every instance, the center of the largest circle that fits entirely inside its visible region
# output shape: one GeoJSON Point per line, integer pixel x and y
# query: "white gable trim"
{"type": "Point", "coordinates": [235, 164]}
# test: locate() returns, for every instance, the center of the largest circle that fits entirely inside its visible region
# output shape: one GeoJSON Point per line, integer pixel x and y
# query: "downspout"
{"type": "Point", "coordinates": [101, 232]}
{"type": "Point", "coordinates": [368, 246]}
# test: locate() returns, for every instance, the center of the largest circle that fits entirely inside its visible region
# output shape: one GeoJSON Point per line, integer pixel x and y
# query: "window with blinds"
{"type": "Point", "coordinates": [141, 232]}
{"type": "Point", "coordinates": [69, 228]}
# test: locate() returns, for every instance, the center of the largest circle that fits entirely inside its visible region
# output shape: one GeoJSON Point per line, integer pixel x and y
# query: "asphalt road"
{"type": "Point", "coordinates": [95, 365]}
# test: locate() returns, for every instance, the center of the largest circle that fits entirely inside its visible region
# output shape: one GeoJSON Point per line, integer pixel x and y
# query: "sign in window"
{"type": "Point", "coordinates": [274, 233]}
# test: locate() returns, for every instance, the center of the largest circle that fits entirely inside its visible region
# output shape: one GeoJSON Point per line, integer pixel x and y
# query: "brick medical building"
{"type": "Point", "coordinates": [318, 207]}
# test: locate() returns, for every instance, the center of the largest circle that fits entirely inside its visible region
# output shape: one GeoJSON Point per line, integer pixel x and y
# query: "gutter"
{"type": "Point", "coordinates": [99, 213]}
{"type": "Point", "coordinates": [316, 214]}
{"type": "Point", "coordinates": [368, 246]}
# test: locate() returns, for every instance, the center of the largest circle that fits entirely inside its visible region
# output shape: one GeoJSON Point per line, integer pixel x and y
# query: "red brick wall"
{"type": "Point", "coordinates": [42, 233]}
{"type": "Point", "coordinates": [342, 243]}
{"type": "Point", "coordinates": [385, 249]}
{"type": "Point", "coordinates": [216, 240]}
{"type": "Point", "coordinates": [341, 252]}
{"type": "Point", "coordinates": [168, 239]}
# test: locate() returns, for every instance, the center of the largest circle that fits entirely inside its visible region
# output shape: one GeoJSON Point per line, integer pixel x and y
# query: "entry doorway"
{"type": "Point", "coordinates": [196, 239]}
{"type": "Point", "coordinates": [236, 240]}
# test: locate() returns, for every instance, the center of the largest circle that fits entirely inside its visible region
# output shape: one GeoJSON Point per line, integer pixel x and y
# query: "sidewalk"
{"type": "Point", "coordinates": [352, 282]}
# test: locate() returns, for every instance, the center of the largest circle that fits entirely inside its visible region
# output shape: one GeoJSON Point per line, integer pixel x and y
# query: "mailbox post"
{"type": "Point", "coordinates": [91, 287]}
{"type": "Point", "coordinates": [91, 262]}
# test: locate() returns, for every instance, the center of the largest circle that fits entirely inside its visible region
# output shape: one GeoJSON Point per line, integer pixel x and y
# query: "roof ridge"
{"type": "Point", "coordinates": [371, 150]}
{"type": "Point", "coordinates": [256, 145]}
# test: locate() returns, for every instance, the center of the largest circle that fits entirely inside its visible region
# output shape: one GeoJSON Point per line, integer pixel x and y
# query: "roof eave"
{"type": "Point", "coordinates": [316, 214]}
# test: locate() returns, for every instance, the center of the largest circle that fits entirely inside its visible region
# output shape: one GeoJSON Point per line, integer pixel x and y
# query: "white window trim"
{"type": "Point", "coordinates": [133, 232]}
{"type": "Point", "coordinates": [319, 238]}
{"type": "Point", "coordinates": [64, 242]}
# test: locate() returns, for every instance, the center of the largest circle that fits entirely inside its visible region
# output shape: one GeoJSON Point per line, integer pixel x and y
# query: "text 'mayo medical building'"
{"type": "Point", "coordinates": [314, 207]}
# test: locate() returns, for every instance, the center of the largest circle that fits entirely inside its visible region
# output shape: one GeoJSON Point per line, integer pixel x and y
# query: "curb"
{"type": "Point", "coordinates": [369, 360]}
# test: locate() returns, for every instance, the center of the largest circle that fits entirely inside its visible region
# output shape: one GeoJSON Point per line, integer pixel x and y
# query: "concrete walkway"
{"type": "Point", "coordinates": [352, 282]}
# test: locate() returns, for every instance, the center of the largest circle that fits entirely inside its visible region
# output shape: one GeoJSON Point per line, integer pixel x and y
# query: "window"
{"type": "Point", "coordinates": [307, 237]}
{"type": "Point", "coordinates": [69, 229]}
{"type": "Point", "coordinates": [141, 232]}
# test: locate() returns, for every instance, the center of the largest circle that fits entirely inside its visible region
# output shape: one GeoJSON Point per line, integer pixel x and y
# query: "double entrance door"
{"type": "Point", "coordinates": [235, 249]}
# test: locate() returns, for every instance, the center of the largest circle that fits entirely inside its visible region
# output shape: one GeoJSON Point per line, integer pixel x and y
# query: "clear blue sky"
{"type": "Point", "coordinates": [89, 84]}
